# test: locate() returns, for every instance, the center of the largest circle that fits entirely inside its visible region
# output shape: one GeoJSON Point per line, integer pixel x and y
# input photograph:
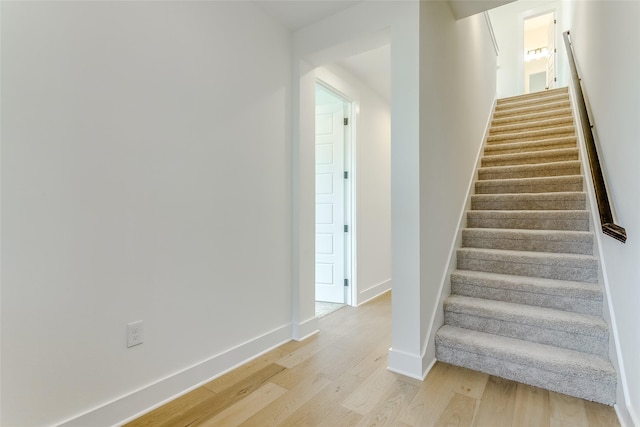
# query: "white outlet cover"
{"type": "Point", "coordinates": [135, 333]}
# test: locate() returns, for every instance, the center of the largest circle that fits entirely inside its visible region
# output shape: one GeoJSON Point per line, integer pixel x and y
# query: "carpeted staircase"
{"type": "Point", "coordinates": [526, 304]}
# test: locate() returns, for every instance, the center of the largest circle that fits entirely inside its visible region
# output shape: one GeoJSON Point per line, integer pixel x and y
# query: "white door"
{"type": "Point", "coordinates": [551, 55]}
{"type": "Point", "coordinates": [330, 222]}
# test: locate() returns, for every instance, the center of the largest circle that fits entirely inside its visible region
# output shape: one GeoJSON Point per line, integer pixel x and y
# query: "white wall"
{"type": "Point", "coordinates": [605, 37]}
{"type": "Point", "coordinates": [146, 174]}
{"type": "Point", "coordinates": [508, 25]}
{"type": "Point", "coordinates": [457, 92]}
{"type": "Point", "coordinates": [365, 26]}
{"type": "Point", "coordinates": [372, 183]}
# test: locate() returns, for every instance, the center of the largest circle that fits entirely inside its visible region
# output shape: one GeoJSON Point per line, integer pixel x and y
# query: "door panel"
{"type": "Point", "coordinates": [551, 56]}
{"type": "Point", "coordinates": [330, 203]}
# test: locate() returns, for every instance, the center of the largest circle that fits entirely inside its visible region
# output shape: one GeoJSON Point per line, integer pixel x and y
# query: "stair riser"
{"type": "Point", "coordinates": [530, 268]}
{"type": "Point", "coordinates": [573, 304]}
{"type": "Point", "coordinates": [582, 247]}
{"type": "Point", "coordinates": [496, 150]}
{"type": "Point", "coordinates": [530, 126]}
{"type": "Point", "coordinates": [510, 187]}
{"type": "Point", "coordinates": [537, 158]}
{"type": "Point", "coordinates": [577, 386]}
{"type": "Point", "coordinates": [562, 339]}
{"type": "Point", "coordinates": [530, 171]}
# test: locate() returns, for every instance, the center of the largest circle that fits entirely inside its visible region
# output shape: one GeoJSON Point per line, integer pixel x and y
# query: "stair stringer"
{"type": "Point", "coordinates": [428, 353]}
{"type": "Point", "coordinates": [622, 390]}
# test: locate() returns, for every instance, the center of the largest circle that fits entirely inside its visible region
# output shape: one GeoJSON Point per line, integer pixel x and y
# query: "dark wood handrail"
{"type": "Point", "coordinates": [609, 227]}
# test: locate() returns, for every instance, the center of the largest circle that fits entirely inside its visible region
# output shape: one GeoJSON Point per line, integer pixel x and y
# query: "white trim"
{"type": "Point", "coordinates": [132, 405]}
{"type": "Point", "coordinates": [597, 226]}
{"type": "Point", "coordinates": [350, 96]}
{"type": "Point", "coordinates": [302, 331]}
{"type": "Point", "coordinates": [428, 368]}
{"type": "Point", "coordinates": [373, 292]}
{"type": "Point", "coordinates": [626, 416]}
{"type": "Point", "coordinates": [428, 350]}
{"type": "Point", "coordinates": [523, 16]}
{"type": "Point", "coordinates": [407, 362]}
{"type": "Point", "coordinates": [487, 19]}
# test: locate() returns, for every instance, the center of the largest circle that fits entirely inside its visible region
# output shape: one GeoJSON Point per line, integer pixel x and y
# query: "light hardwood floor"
{"type": "Point", "coordinates": [339, 378]}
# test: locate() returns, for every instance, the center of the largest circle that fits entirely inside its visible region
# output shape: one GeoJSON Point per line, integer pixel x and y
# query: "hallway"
{"type": "Point", "coordinates": [339, 378]}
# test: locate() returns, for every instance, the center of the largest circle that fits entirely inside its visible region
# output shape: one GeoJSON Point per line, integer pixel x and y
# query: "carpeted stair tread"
{"type": "Point", "coordinates": [530, 109]}
{"type": "Point", "coordinates": [565, 371]}
{"type": "Point", "coordinates": [531, 125]}
{"type": "Point", "coordinates": [559, 168]}
{"type": "Point", "coordinates": [576, 220]}
{"type": "Point", "coordinates": [559, 328]}
{"type": "Point", "coordinates": [578, 297]}
{"type": "Point", "coordinates": [511, 103]}
{"type": "Point", "coordinates": [528, 135]}
{"type": "Point", "coordinates": [574, 267]}
{"type": "Point", "coordinates": [561, 200]}
{"type": "Point", "coordinates": [530, 185]}
{"type": "Point", "coordinates": [563, 91]}
{"type": "Point", "coordinates": [547, 156]}
{"type": "Point", "coordinates": [533, 117]}
{"type": "Point", "coordinates": [529, 146]}
{"type": "Point", "coordinates": [575, 242]}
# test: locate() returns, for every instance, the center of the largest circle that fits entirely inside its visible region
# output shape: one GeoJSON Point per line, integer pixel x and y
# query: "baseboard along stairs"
{"type": "Point", "coordinates": [526, 304]}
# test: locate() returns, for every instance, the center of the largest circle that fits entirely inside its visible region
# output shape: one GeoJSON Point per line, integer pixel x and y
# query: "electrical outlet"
{"type": "Point", "coordinates": [135, 333]}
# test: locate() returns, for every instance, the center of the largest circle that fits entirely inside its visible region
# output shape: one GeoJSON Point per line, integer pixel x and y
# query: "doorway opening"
{"type": "Point", "coordinates": [333, 173]}
{"type": "Point", "coordinates": [540, 52]}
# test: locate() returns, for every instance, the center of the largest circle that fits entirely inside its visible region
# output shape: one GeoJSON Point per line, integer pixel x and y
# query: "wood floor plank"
{"type": "Point", "coordinates": [340, 417]}
{"type": "Point", "coordinates": [599, 415]}
{"type": "Point", "coordinates": [245, 408]}
{"type": "Point", "coordinates": [288, 403]}
{"type": "Point", "coordinates": [211, 407]}
{"type": "Point", "coordinates": [301, 354]}
{"type": "Point", "coordinates": [386, 411]}
{"type": "Point", "coordinates": [566, 411]}
{"type": "Point", "coordinates": [497, 403]}
{"type": "Point", "coordinates": [373, 389]}
{"type": "Point", "coordinates": [376, 359]}
{"type": "Point", "coordinates": [531, 407]}
{"type": "Point", "coordinates": [173, 410]}
{"type": "Point", "coordinates": [227, 380]}
{"type": "Point", "coordinates": [459, 412]}
{"type": "Point", "coordinates": [430, 401]}
{"type": "Point", "coordinates": [472, 383]}
{"type": "Point", "coordinates": [314, 412]}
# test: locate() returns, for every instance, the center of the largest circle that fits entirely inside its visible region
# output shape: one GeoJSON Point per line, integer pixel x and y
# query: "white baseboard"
{"type": "Point", "coordinates": [302, 331]}
{"type": "Point", "coordinates": [626, 415]}
{"type": "Point", "coordinates": [373, 292]}
{"type": "Point", "coordinates": [409, 365]}
{"type": "Point", "coordinates": [137, 403]}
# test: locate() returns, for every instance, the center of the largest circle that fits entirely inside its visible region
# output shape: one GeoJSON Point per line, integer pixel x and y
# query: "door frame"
{"type": "Point", "coordinates": [350, 259]}
{"type": "Point", "coordinates": [532, 13]}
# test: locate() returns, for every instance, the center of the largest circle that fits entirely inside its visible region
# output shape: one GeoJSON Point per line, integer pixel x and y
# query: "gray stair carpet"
{"type": "Point", "coordinates": [525, 301]}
